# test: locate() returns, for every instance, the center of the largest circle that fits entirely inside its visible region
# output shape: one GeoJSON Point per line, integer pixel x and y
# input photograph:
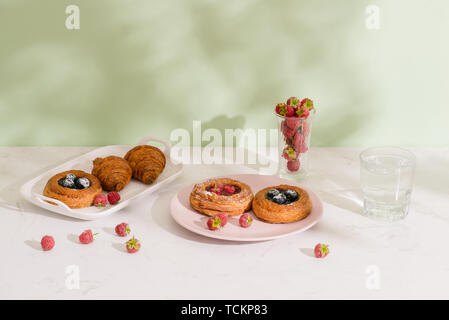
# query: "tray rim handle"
{"type": "Point", "coordinates": [43, 199]}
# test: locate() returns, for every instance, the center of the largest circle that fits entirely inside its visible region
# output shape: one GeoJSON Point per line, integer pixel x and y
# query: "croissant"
{"type": "Point", "coordinates": [147, 162]}
{"type": "Point", "coordinates": [113, 172]}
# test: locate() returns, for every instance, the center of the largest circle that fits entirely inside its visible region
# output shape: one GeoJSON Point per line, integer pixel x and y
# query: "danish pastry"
{"type": "Point", "coordinates": [113, 172]}
{"type": "Point", "coordinates": [221, 195]}
{"type": "Point", "coordinates": [146, 162]}
{"type": "Point", "coordinates": [75, 188]}
{"type": "Point", "coordinates": [282, 204]}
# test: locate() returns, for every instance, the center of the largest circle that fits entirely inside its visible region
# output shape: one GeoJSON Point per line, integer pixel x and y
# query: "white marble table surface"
{"type": "Point", "coordinates": [369, 260]}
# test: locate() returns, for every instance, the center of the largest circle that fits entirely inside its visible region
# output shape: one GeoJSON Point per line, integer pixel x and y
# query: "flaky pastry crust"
{"type": "Point", "coordinates": [271, 212]}
{"type": "Point", "coordinates": [147, 162]}
{"type": "Point", "coordinates": [74, 198]}
{"type": "Point", "coordinates": [209, 203]}
{"type": "Point", "coordinates": [113, 172]}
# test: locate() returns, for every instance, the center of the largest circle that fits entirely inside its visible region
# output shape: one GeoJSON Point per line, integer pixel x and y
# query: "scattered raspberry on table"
{"type": "Point", "coordinates": [321, 250]}
{"type": "Point", "coordinates": [47, 243]}
{"type": "Point", "coordinates": [133, 245]}
{"type": "Point", "coordinates": [122, 229]}
{"type": "Point", "coordinates": [87, 237]}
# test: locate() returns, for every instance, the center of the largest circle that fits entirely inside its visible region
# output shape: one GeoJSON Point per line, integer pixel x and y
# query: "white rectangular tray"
{"type": "Point", "coordinates": [32, 190]}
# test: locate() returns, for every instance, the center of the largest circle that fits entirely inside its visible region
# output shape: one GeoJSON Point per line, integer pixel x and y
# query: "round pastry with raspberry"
{"type": "Point", "coordinates": [282, 204]}
{"type": "Point", "coordinates": [221, 195]}
{"type": "Point", "coordinates": [76, 188]}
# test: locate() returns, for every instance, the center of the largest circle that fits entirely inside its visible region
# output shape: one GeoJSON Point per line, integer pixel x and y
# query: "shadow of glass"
{"type": "Point", "coordinates": [344, 199]}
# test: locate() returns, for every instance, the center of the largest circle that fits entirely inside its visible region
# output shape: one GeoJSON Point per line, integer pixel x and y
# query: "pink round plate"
{"type": "Point", "coordinates": [196, 222]}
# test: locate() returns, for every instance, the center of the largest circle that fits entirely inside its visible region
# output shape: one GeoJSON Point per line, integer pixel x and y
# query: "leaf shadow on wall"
{"type": "Point", "coordinates": [137, 73]}
{"type": "Point", "coordinates": [309, 53]}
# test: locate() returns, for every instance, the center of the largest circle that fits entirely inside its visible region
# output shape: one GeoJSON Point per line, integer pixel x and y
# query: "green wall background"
{"type": "Point", "coordinates": [138, 68]}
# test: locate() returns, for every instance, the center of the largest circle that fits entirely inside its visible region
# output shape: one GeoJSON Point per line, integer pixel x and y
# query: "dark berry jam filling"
{"type": "Point", "coordinates": [224, 189]}
{"type": "Point", "coordinates": [282, 196]}
{"type": "Point", "coordinates": [73, 182]}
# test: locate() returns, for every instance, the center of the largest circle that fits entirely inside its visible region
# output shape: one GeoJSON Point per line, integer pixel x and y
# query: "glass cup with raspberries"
{"type": "Point", "coordinates": [295, 126]}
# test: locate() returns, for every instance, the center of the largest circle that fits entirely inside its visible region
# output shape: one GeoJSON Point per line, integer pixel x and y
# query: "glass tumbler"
{"type": "Point", "coordinates": [293, 145]}
{"type": "Point", "coordinates": [386, 177]}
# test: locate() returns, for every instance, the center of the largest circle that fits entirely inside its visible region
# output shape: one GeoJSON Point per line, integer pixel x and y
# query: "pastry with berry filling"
{"type": "Point", "coordinates": [75, 188]}
{"type": "Point", "coordinates": [146, 162]}
{"type": "Point", "coordinates": [282, 204]}
{"type": "Point", "coordinates": [113, 172]}
{"type": "Point", "coordinates": [221, 195]}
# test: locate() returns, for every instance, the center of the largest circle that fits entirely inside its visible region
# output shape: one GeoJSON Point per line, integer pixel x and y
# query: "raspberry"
{"type": "Point", "coordinates": [220, 186]}
{"type": "Point", "coordinates": [245, 220]}
{"type": "Point", "coordinates": [303, 148]}
{"type": "Point", "coordinates": [113, 197]}
{"type": "Point", "coordinates": [305, 129]}
{"type": "Point", "coordinates": [87, 237]}
{"type": "Point", "coordinates": [223, 217]}
{"type": "Point", "coordinates": [214, 223]}
{"type": "Point", "coordinates": [281, 108]}
{"type": "Point", "coordinates": [321, 250]}
{"type": "Point", "coordinates": [293, 123]}
{"type": "Point", "coordinates": [299, 143]}
{"type": "Point", "coordinates": [288, 132]}
{"type": "Point", "coordinates": [289, 153]}
{"type": "Point", "coordinates": [307, 103]}
{"type": "Point", "coordinates": [293, 165]}
{"type": "Point", "coordinates": [298, 140]}
{"type": "Point", "coordinates": [122, 229]}
{"type": "Point", "coordinates": [285, 110]}
{"type": "Point", "coordinates": [293, 101]}
{"type": "Point", "coordinates": [229, 189]}
{"type": "Point", "coordinates": [47, 243]}
{"type": "Point", "coordinates": [302, 112]}
{"type": "Point", "coordinates": [133, 245]}
{"type": "Point", "coordinates": [216, 189]}
{"type": "Point", "coordinates": [100, 200]}
{"type": "Point", "coordinates": [283, 125]}
{"type": "Point", "coordinates": [290, 111]}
